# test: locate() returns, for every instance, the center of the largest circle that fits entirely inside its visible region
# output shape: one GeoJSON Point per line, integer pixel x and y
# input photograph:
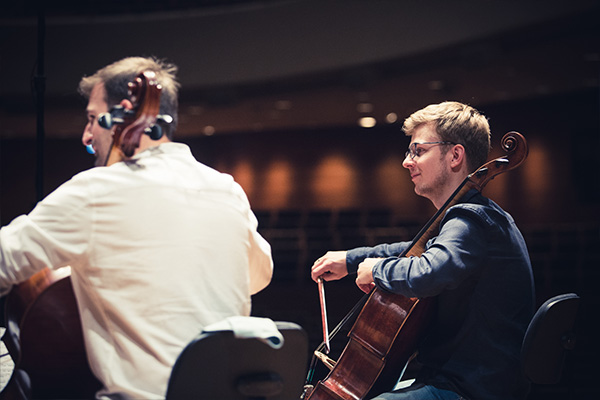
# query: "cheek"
{"type": "Point", "coordinates": [101, 134]}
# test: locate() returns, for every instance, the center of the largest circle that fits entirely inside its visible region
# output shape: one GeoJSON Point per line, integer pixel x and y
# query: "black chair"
{"type": "Point", "coordinates": [220, 366]}
{"type": "Point", "coordinates": [549, 337]}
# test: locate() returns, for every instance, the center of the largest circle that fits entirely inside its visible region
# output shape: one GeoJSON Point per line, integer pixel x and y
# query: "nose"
{"type": "Point", "coordinates": [408, 162]}
{"type": "Point", "coordinates": [86, 137]}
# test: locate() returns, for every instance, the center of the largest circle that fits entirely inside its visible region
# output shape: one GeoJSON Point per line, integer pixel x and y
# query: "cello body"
{"type": "Point", "coordinates": [389, 327]}
{"type": "Point", "coordinates": [45, 340]}
{"type": "Point", "coordinates": [381, 343]}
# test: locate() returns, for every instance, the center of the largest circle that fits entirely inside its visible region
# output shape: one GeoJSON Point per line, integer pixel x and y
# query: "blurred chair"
{"type": "Point", "coordinates": [222, 365]}
{"type": "Point", "coordinates": [549, 337]}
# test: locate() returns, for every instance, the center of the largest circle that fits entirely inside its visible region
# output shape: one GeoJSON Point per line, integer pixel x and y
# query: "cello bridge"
{"type": "Point", "coordinates": [329, 362]}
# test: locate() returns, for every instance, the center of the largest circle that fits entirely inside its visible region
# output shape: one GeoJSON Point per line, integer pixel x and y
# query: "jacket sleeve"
{"type": "Point", "coordinates": [454, 255]}
{"type": "Point", "coordinates": [357, 255]}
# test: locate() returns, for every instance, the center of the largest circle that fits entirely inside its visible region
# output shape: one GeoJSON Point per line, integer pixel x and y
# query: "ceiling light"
{"type": "Point", "coordinates": [367, 122]}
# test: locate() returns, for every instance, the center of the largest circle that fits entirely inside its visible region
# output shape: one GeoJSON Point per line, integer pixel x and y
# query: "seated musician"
{"type": "Point", "coordinates": [159, 245]}
{"type": "Point", "coordinates": [477, 267]}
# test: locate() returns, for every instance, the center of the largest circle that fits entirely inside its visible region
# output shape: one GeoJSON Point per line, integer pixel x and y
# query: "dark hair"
{"type": "Point", "coordinates": [117, 75]}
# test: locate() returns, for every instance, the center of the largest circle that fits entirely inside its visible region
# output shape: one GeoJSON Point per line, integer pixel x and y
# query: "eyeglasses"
{"type": "Point", "coordinates": [414, 151]}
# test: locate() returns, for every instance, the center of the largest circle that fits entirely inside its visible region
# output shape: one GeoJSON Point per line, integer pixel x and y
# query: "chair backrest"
{"type": "Point", "coordinates": [220, 366]}
{"type": "Point", "coordinates": [548, 338]}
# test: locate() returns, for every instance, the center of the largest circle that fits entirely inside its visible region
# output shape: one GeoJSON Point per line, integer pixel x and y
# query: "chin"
{"type": "Point", "coordinates": [423, 192]}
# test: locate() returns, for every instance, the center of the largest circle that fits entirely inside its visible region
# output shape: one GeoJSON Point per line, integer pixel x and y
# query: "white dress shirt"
{"type": "Point", "coordinates": [159, 247]}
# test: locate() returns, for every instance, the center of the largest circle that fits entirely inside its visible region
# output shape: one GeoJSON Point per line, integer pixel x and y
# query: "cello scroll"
{"type": "Point", "coordinates": [129, 124]}
{"type": "Point", "coordinates": [515, 146]}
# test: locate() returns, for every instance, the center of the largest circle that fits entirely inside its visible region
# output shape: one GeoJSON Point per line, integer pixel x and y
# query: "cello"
{"type": "Point", "coordinates": [389, 326]}
{"type": "Point", "coordinates": [44, 335]}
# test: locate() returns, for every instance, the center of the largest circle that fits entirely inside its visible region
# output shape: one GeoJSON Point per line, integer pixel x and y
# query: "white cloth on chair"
{"type": "Point", "coordinates": [263, 329]}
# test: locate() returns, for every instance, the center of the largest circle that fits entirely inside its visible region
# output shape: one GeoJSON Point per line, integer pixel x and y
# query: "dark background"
{"type": "Point", "coordinates": [272, 92]}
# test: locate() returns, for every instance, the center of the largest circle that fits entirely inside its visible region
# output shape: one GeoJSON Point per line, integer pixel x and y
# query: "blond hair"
{"type": "Point", "coordinates": [457, 123]}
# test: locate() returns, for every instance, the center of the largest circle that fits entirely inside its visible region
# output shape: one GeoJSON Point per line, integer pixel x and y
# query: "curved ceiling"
{"type": "Point", "coordinates": [251, 65]}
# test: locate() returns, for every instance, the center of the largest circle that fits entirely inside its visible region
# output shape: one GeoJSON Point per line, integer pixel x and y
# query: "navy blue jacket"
{"type": "Point", "coordinates": [479, 270]}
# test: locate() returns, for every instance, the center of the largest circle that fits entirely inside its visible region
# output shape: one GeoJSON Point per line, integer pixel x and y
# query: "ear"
{"type": "Point", "coordinates": [126, 104]}
{"type": "Point", "coordinates": [459, 157]}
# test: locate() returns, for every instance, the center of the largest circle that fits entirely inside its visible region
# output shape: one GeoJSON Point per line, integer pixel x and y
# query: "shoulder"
{"type": "Point", "coordinates": [481, 210]}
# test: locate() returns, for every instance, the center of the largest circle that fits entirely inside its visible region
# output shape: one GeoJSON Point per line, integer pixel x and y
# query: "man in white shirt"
{"type": "Point", "coordinates": [159, 244]}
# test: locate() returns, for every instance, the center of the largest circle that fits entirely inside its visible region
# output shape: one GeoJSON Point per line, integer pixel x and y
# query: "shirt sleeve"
{"type": "Point", "coordinates": [261, 262]}
{"type": "Point", "coordinates": [259, 254]}
{"type": "Point", "coordinates": [454, 255]}
{"type": "Point", "coordinates": [53, 235]}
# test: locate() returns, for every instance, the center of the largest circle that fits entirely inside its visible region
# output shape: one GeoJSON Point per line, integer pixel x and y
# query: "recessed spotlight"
{"type": "Point", "coordinates": [367, 122]}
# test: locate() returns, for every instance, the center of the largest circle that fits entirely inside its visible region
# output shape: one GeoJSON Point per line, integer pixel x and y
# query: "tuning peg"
{"type": "Point", "coordinates": [155, 132]}
{"type": "Point", "coordinates": [164, 119]}
{"type": "Point", "coordinates": [114, 116]}
{"type": "Point", "coordinates": [105, 120]}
